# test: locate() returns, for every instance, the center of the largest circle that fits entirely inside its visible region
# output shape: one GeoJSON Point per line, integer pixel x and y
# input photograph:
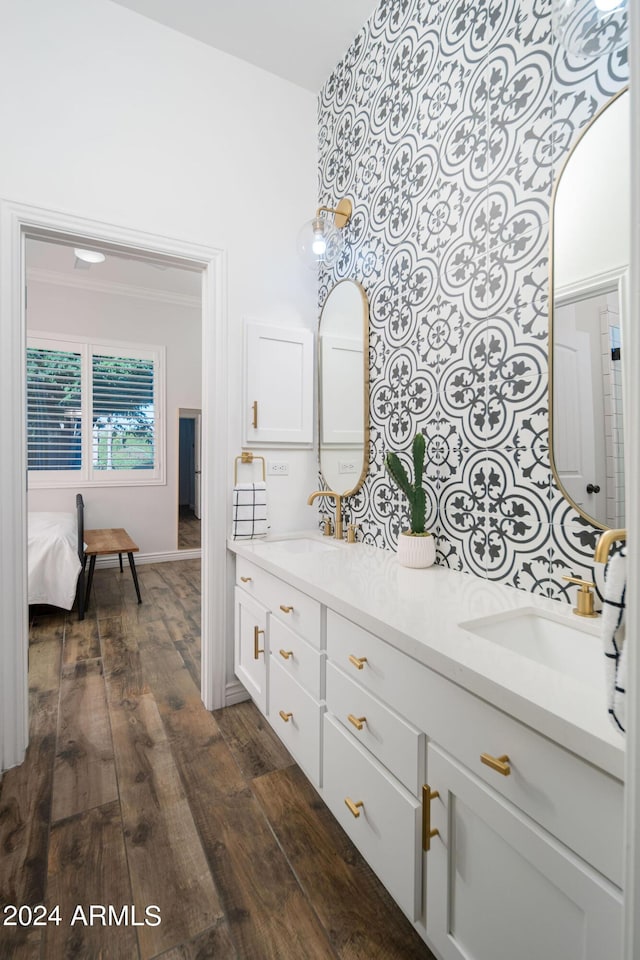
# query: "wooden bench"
{"type": "Point", "coordinates": [101, 543]}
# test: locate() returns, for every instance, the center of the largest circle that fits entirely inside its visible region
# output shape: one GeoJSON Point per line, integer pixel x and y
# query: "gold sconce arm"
{"type": "Point", "coordinates": [604, 544]}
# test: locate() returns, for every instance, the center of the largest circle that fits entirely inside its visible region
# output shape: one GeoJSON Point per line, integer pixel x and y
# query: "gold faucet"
{"type": "Point", "coordinates": [604, 544]}
{"type": "Point", "coordinates": [338, 498]}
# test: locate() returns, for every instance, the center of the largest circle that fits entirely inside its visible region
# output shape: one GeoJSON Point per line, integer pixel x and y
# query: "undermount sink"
{"type": "Point", "coordinates": [302, 545]}
{"type": "Point", "coordinates": [568, 646]}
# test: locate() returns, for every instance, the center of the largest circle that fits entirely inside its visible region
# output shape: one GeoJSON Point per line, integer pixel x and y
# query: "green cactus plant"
{"type": "Point", "coordinates": [414, 492]}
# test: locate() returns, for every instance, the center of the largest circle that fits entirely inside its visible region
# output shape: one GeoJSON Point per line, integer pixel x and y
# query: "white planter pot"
{"type": "Point", "coordinates": [416, 550]}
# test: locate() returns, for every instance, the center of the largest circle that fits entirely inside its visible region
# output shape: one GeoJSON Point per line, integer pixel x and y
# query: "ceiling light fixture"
{"type": "Point", "coordinates": [320, 240]}
{"type": "Point", "coordinates": [591, 28]}
{"type": "Point", "coordinates": [89, 256]}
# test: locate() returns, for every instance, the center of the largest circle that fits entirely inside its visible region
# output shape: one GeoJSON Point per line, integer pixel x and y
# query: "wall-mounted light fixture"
{"type": "Point", "coordinates": [89, 256]}
{"type": "Point", "coordinates": [321, 240]}
{"type": "Point", "coordinates": [591, 28]}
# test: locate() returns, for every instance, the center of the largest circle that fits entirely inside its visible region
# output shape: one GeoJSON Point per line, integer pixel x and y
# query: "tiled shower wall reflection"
{"type": "Point", "coordinates": [446, 123]}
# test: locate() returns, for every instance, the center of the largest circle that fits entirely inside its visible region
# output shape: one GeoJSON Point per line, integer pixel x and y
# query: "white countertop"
{"type": "Point", "coordinates": [420, 611]}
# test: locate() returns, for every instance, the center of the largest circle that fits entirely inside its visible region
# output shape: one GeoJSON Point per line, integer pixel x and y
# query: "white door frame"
{"type": "Point", "coordinates": [17, 221]}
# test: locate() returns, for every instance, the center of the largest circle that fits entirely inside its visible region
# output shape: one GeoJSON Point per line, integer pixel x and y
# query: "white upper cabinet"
{"type": "Point", "coordinates": [278, 406]}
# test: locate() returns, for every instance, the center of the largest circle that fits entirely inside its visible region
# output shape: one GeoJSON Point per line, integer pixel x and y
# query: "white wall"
{"type": "Point", "coordinates": [148, 513]}
{"type": "Point", "coordinates": [110, 116]}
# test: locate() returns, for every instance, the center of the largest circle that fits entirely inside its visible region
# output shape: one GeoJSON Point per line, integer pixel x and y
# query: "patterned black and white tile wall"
{"type": "Point", "coordinates": [446, 123]}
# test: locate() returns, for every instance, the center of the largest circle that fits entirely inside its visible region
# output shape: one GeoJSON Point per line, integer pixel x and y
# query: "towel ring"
{"type": "Point", "coordinates": [248, 457]}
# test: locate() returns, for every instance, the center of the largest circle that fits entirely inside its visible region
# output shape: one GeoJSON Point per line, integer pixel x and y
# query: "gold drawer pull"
{"type": "Point", "coordinates": [427, 833]}
{"type": "Point", "coordinates": [358, 662]}
{"type": "Point", "coordinates": [285, 608]}
{"type": "Point", "coordinates": [246, 579]}
{"type": "Point", "coordinates": [501, 764]}
{"type": "Point", "coordinates": [353, 807]}
{"type": "Point", "coordinates": [256, 645]}
{"type": "Point", "coordinates": [286, 654]}
{"type": "Point", "coordinates": [286, 716]}
{"type": "Point", "coordinates": [358, 722]}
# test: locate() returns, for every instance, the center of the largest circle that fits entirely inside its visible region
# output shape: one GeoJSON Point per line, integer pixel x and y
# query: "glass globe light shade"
{"type": "Point", "coordinates": [591, 28]}
{"type": "Point", "coordinates": [320, 241]}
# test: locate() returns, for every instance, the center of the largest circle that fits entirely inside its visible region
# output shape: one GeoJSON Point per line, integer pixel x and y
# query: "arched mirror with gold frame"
{"type": "Point", "coordinates": [343, 401]}
{"type": "Point", "coordinates": [589, 267]}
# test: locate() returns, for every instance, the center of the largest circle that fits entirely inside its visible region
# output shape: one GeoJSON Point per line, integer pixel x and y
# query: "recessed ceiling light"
{"type": "Point", "coordinates": [90, 256]}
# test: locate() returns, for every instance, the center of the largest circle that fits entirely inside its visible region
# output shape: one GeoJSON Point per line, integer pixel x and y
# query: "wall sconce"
{"type": "Point", "coordinates": [320, 240]}
{"type": "Point", "coordinates": [591, 28]}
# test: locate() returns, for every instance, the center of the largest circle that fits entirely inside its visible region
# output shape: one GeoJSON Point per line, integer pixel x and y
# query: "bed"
{"type": "Point", "coordinates": [56, 558]}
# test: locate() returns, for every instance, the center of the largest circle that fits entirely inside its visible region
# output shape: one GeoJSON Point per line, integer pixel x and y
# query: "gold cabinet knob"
{"type": "Point", "coordinates": [286, 654]}
{"type": "Point", "coordinates": [246, 579]}
{"type": "Point", "coordinates": [256, 642]}
{"type": "Point", "coordinates": [358, 722]}
{"type": "Point", "coordinates": [285, 716]}
{"type": "Point", "coordinates": [285, 608]}
{"type": "Point", "coordinates": [358, 662]}
{"type": "Point", "coordinates": [354, 806]}
{"type": "Point", "coordinates": [500, 764]}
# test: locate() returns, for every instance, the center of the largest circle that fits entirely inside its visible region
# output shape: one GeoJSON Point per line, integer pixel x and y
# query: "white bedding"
{"type": "Point", "coordinates": [54, 564]}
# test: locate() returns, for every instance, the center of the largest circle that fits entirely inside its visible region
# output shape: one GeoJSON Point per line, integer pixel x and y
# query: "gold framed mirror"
{"type": "Point", "coordinates": [343, 391]}
{"type": "Point", "coordinates": [588, 274]}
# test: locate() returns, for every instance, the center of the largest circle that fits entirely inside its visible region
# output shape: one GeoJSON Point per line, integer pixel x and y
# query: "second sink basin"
{"type": "Point", "coordinates": [571, 648]}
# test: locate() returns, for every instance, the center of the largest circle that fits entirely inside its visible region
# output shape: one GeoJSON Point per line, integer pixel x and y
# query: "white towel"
{"type": "Point", "coordinates": [613, 633]}
{"type": "Point", "coordinates": [249, 518]}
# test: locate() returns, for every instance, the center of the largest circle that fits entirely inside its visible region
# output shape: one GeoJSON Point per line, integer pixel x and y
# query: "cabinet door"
{"type": "Point", "coordinates": [500, 887]}
{"type": "Point", "coordinates": [279, 384]}
{"type": "Point", "coordinates": [250, 647]}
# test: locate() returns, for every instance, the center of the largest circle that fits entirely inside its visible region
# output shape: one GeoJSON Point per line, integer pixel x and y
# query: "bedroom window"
{"type": "Point", "coordinates": [94, 412]}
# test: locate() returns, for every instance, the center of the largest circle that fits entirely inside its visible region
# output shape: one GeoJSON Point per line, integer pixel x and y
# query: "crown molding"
{"type": "Point", "coordinates": [39, 275]}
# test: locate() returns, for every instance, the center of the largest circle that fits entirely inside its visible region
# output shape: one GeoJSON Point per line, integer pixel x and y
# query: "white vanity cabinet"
{"type": "Point", "coordinates": [285, 674]}
{"type": "Point", "coordinates": [250, 650]}
{"type": "Point", "coordinates": [499, 886]}
{"type": "Point", "coordinates": [495, 840]}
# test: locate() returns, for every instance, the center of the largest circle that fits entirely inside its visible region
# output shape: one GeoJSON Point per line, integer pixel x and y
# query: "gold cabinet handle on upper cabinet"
{"type": "Point", "coordinates": [246, 579]}
{"type": "Point", "coordinates": [358, 662]}
{"type": "Point", "coordinates": [354, 805]}
{"type": "Point", "coordinates": [358, 722]}
{"type": "Point", "coordinates": [500, 764]}
{"type": "Point", "coordinates": [254, 419]}
{"type": "Point", "coordinates": [427, 833]}
{"type": "Point", "coordinates": [285, 608]}
{"type": "Point", "coordinates": [285, 716]}
{"type": "Point", "coordinates": [286, 654]}
{"type": "Point", "coordinates": [256, 644]}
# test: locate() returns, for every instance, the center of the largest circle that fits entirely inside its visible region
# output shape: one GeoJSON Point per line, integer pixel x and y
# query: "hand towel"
{"type": "Point", "coordinates": [613, 635]}
{"type": "Point", "coordinates": [249, 517]}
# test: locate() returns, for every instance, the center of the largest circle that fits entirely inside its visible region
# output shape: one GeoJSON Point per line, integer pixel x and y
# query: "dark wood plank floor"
{"type": "Point", "coordinates": [188, 529]}
{"type": "Point", "coordinates": [133, 795]}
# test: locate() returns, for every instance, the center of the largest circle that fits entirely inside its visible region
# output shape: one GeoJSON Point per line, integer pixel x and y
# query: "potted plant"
{"type": "Point", "coordinates": [416, 547]}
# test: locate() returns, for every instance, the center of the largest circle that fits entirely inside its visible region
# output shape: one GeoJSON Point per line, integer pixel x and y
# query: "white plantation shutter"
{"type": "Point", "coordinates": [123, 413]}
{"type": "Point", "coordinates": [54, 440]}
{"type": "Point", "coordinates": [95, 412]}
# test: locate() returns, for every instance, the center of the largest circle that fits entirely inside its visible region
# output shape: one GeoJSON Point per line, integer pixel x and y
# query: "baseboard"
{"type": "Point", "coordinates": [166, 557]}
{"type": "Point", "coordinates": [234, 692]}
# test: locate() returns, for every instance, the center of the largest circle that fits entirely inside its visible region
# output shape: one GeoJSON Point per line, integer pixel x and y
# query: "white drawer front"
{"type": "Point", "coordinates": [579, 804]}
{"type": "Point", "coordinates": [387, 830]}
{"type": "Point", "coordinates": [297, 719]}
{"type": "Point", "coordinates": [296, 609]}
{"type": "Point", "coordinates": [300, 660]}
{"type": "Point", "coordinates": [398, 745]}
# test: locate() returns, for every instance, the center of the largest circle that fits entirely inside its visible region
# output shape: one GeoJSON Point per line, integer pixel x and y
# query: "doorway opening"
{"type": "Point", "coordinates": [19, 223]}
{"type": "Point", "coordinates": [189, 479]}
